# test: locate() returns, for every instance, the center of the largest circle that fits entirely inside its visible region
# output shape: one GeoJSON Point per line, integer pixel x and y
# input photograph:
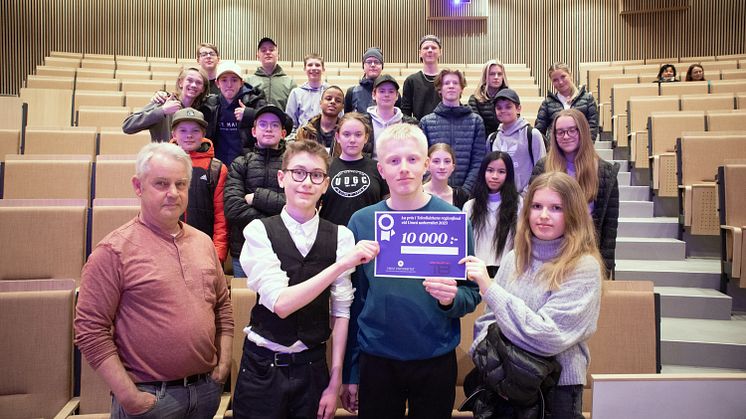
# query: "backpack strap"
{"type": "Point", "coordinates": [491, 141]}
{"type": "Point", "coordinates": [530, 142]}
{"type": "Point", "coordinates": [213, 173]}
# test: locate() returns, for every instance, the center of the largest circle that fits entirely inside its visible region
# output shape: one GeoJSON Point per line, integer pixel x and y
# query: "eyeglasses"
{"type": "Point", "coordinates": [207, 54]}
{"type": "Point", "coordinates": [565, 132]}
{"type": "Point", "coordinates": [269, 125]}
{"type": "Point", "coordinates": [371, 63]}
{"type": "Point", "coordinates": [300, 175]}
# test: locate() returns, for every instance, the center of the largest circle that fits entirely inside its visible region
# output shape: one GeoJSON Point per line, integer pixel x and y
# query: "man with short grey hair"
{"type": "Point", "coordinates": [154, 317]}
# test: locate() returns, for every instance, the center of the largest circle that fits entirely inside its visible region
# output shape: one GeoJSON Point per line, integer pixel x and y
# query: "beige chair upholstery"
{"type": "Point", "coordinates": [109, 214]}
{"type": "Point", "coordinates": [10, 141]}
{"type": "Point", "coordinates": [102, 116]}
{"type": "Point", "coordinates": [48, 237]}
{"type": "Point", "coordinates": [57, 141]}
{"type": "Point", "coordinates": [11, 117]}
{"type": "Point", "coordinates": [47, 176]}
{"type": "Point", "coordinates": [48, 107]}
{"type": "Point", "coordinates": [714, 101]}
{"type": "Point", "coordinates": [116, 142]}
{"type": "Point", "coordinates": [114, 176]}
{"type": "Point", "coordinates": [36, 346]}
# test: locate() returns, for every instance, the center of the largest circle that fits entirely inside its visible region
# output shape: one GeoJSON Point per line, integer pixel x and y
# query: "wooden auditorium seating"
{"type": "Point", "coordinates": [43, 70]}
{"type": "Point", "coordinates": [95, 73]}
{"type": "Point", "coordinates": [48, 107]}
{"type": "Point", "coordinates": [102, 116]}
{"type": "Point", "coordinates": [728, 86]}
{"type": "Point", "coordinates": [36, 345]}
{"type": "Point", "coordinates": [148, 86]}
{"type": "Point", "coordinates": [10, 142]}
{"type": "Point", "coordinates": [605, 83]}
{"type": "Point", "coordinates": [46, 176]}
{"type": "Point", "coordinates": [699, 156]}
{"type": "Point", "coordinates": [109, 214]}
{"type": "Point", "coordinates": [97, 98]}
{"type": "Point", "coordinates": [94, 401]}
{"type": "Point", "coordinates": [49, 82]}
{"type": "Point", "coordinates": [663, 130]}
{"type": "Point", "coordinates": [98, 84]}
{"type": "Point", "coordinates": [48, 237]}
{"type": "Point", "coordinates": [689, 88]}
{"type": "Point", "coordinates": [726, 120]}
{"type": "Point", "coordinates": [625, 341]}
{"type": "Point", "coordinates": [732, 205]}
{"type": "Point", "coordinates": [12, 117]}
{"type": "Point", "coordinates": [46, 141]}
{"type": "Point", "coordinates": [739, 74]}
{"type": "Point", "coordinates": [243, 300]}
{"type": "Point", "coordinates": [620, 94]}
{"type": "Point", "coordinates": [98, 64]}
{"type": "Point", "coordinates": [132, 74]}
{"type": "Point", "coordinates": [69, 62]}
{"type": "Point", "coordinates": [639, 109]}
{"type": "Point", "coordinates": [114, 141]}
{"type": "Point", "coordinates": [113, 178]}
{"type": "Point", "coordinates": [132, 65]}
{"type": "Point", "coordinates": [706, 102]}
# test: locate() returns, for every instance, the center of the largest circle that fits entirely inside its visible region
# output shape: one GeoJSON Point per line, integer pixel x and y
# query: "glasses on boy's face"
{"type": "Point", "coordinates": [299, 175]}
{"type": "Point", "coordinates": [371, 63]}
{"type": "Point", "coordinates": [269, 125]}
{"type": "Point", "coordinates": [207, 54]}
{"type": "Point", "coordinates": [565, 132]}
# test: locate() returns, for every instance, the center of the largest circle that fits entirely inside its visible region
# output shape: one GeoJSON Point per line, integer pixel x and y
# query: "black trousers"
{"type": "Point", "coordinates": [266, 391]}
{"type": "Point", "coordinates": [387, 387]}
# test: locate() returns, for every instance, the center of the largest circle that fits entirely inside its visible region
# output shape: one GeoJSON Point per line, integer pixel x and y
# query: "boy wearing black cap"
{"type": "Point", "coordinates": [419, 96]}
{"type": "Point", "coordinates": [205, 206]}
{"type": "Point", "coordinates": [270, 77]}
{"type": "Point", "coordinates": [252, 190]}
{"type": "Point", "coordinates": [383, 112]}
{"type": "Point", "coordinates": [516, 137]}
{"type": "Point", "coordinates": [299, 265]}
{"type": "Point", "coordinates": [359, 97]}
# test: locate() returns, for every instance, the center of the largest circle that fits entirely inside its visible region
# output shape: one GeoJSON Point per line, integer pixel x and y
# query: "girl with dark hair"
{"type": "Point", "coordinates": [666, 74]}
{"type": "Point", "coordinates": [493, 210]}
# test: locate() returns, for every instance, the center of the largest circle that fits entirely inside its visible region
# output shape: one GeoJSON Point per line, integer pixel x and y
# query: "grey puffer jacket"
{"type": "Point", "coordinates": [584, 102]}
{"type": "Point", "coordinates": [255, 172]}
{"type": "Point", "coordinates": [605, 208]}
{"type": "Point", "coordinates": [463, 130]}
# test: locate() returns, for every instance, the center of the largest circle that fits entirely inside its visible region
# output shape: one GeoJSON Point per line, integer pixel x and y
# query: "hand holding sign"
{"type": "Point", "coordinates": [442, 289]}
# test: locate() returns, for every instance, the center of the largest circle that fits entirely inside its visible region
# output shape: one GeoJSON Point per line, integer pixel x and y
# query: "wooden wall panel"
{"type": "Point", "coordinates": [534, 32]}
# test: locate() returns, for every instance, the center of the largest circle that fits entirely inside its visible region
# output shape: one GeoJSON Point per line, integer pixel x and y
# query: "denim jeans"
{"type": "Point", "coordinates": [195, 401]}
{"type": "Point", "coordinates": [237, 269]}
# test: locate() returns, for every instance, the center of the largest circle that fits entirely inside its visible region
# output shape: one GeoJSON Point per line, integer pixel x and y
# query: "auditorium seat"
{"type": "Point", "coordinates": [142, 86]}
{"type": "Point", "coordinates": [49, 82]}
{"type": "Point", "coordinates": [620, 94]}
{"type": "Point", "coordinates": [625, 341]}
{"type": "Point", "coordinates": [36, 345]}
{"type": "Point", "coordinates": [728, 86]}
{"type": "Point", "coordinates": [132, 75]}
{"type": "Point", "coordinates": [97, 98]}
{"type": "Point", "coordinates": [688, 88]}
{"type": "Point", "coordinates": [103, 64]}
{"type": "Point", "coordinates": [732, 205]}
{"type": "Point", "coordinates": [48, 236]}
{"type": "Point", "coordinates": [67, 141]}
{"type": "Point", "coordinates": [717, 65]}
{"type": "Point", "coordinates": [114, 141]}
{"type": "Point", "coordinates": [726, 120]}
{"type": "Point", "coordinates": [165, 60]}
{"type": "Point", "coordinates": [531, 105]}
{"type": "Point", "coordinates": [47, 177]}
{"type": "Point", "coordinates": [706, 102]}
{"type": "Point", "coordinates": [48, 107]}
{"type": "Point", "coordinates": [134, 65]}
{"type": "Point", "coordinates": [100, 84]}
{"type": "Point", "coordinates": [526, 90]}
{"type": "Point", "coordinates": [660, 144]}
{"type": "Point", "coordinates": [639, 109]}
{"type": "Point", "coordinates": [12, 115]}
{"type": "Point", "coordinates": [113, 176]}
{"type": "Point", "coordinates": [66, 54]}
{"type": "Point", "coordinates": [102, 116]}
{"type": "Point", "coordinates": [138, 100]}
{"type": "Point", "coordinates": [96, 73]}
{"type": "Point", "coordinates": [10, 142]}
{"type": "Point", "coordinates": [111, 213]}
{"type": "Point", "coordinates": [699, 157]}
{"type": "Point", "coordinates": [170, 67]}
{"type": "Point", "coordinates": [45, 70]}
{"type": "Point", "coordinates": [69, 62]}
{"type": "Point", "coordinates": [94, 401]}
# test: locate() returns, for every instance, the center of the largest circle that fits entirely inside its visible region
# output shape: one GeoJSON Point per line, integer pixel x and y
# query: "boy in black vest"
{"type": "Point", "coordinates": [300, 267]}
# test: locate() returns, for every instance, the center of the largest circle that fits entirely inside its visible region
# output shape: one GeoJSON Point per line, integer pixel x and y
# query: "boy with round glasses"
{"type": "Point", "coordinates": [299, 265]}
{"type": "Point", "coordinates": [208, 58]}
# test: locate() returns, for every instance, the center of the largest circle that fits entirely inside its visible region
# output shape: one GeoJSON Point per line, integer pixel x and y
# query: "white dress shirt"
{"type": "Point", "coordinates": [266, 277]}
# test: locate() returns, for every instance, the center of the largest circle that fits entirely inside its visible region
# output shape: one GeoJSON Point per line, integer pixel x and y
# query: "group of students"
{"type": "Point", "coordinates": [296, 214]}
{"type": "Point", "coordinates": [667, 73]}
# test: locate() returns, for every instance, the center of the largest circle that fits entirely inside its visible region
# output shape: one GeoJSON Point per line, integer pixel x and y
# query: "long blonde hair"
{"type": "Point", "coordinates": [579, 236]}
{"type": "Point", "coordinates": [560, 66]}
{"type": "Point", "coordinates": [481, 93]}
{"type": "Point", "coordinates": [205, 84]}
{"type": "Point", "coordinates": [586, 158]}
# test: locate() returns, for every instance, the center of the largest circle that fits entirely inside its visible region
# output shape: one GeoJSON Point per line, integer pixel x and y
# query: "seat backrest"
{"type": "Point", "coordinates": [137, 100]}
{"type": "Point", "coordinates": [639, 109]}
{"type": "Point", "coordinates": [147, 86]}
{"type": "Point", "coordinates": [11, 117]}
{"type": "Point", "coordinates": [714, 101]}
{"type": "Point", "coordinates": [641, 69]}
{"type": "Point", "coordinates": [57, 61]}
{"type": "Point", "coordinates": [36, 343]}
{"type": "Point", "coordinates": [132, 74]}
{"type": "Point", "coordinates": [595, 73]}
{"type": "Point", "coordinates": [98, 98]}
{"type": "Point", "coordinates": [720, 65]}
{"type": "Point", "coordinates": [531, 105]}
{"type": "Point", "coordinates": [243, 300]}
{"type": "Point", "coordinates": [728, 86]}
{"type": "Point", "coordinates": [48, 107]}
{"type": "Point", "coordinates": [666, 127]}
{"type": "Point", "coordinates": [47, 177]}
{"type": "Point", "coordinates": [701, 156]}
{"type": "Point", "coordinates": [726, 120]}
{"type": "Point", "coordinates": [607, 81]}
{"type": "Point", "coordinates": [47, 239]}
{"type": "Point", "coordinates": [688, 88]}
{"type": "Point", "coordinates": [621, 93]}
{"type": "Point", "coordinates": [117, 142]}
{"type": "Point", "coordinates": [58, 141]}
{"type": "Point", "coordinates": [98, 63]}
{"type": "Point", "coordinates": [10, 141]}
{"type": "Point", "coordinates": [49, 82]}
{"type": "Point", "coordinates": [114, 176]}
{"type": "Point", "coordinates": [102, 116]}
{"type": "Point", "coordinates": [735, 200]}
{"type": "Point", "coordinates": [43, 70]}
{"type": "Point", "coordinates": [739, 74]}
{"type": "Point", "coordinates": [95, 73]}
{"type": "Point", "coordinates": [105, 85]}
{"type": "Point", "coordinates": [110, 214]}
{"type": "Point", "coordinates": [625, 339]}
{"type": "Point", "coordinates": [526, 90]}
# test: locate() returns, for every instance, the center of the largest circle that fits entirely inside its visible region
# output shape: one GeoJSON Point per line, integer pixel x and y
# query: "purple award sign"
{"type": "Point", "coordinates": [416, 244]}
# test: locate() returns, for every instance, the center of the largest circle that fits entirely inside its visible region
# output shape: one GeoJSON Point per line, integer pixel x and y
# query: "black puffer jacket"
{"type": "Point", "coordinates": [486, 110]}
{"type": "Point", "coordinates": [252, 97]}
{"type": "Point", "coordinates": [584, 102]}
{"type": "Point", "coordinates": [508, 382]}
{"type": "Point", "coordinates": [255, 172]}
{"type": "Point", "coordinates": [605, 208]}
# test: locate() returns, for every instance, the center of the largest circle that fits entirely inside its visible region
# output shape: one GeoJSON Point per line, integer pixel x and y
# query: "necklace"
{"type": "Point", "coordinates": [429, 79]}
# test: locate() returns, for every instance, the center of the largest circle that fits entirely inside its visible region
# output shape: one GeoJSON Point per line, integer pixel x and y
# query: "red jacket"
{"type": "Point", "coordinates": [205, 212]}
